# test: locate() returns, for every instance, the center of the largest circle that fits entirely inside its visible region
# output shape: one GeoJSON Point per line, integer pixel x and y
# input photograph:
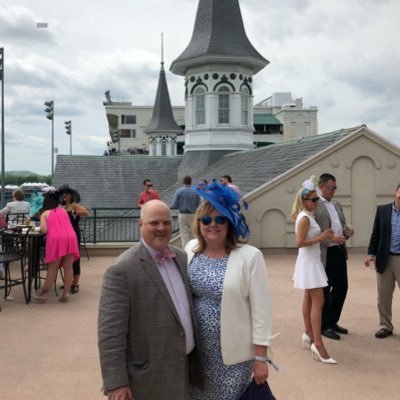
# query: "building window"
{"type": "Point", "coordinates": [164, 148]}
{"type": "Point", "coordinates": [200, 106]}
{"type": "Point", "coordinates": [245, 106]}
{"type": "Point", "coordinates": [223, 105]}
{"type": "Point", "coordinates": [128, 119]}
{"type": "Point", "coordinates": [128, 133]}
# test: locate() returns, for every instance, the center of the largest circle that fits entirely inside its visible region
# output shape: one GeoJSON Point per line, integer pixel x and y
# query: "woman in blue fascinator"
{"type": "Point", "coordinates": [232, 308]}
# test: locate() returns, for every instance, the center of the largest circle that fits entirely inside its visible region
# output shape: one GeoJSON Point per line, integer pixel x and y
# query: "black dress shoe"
{"type": "Point", "coordinates": [330, 334]}
{"type": "Point", "coordinates": [383, 333]}
{"type": "Point", "coordinates": [339, 329]}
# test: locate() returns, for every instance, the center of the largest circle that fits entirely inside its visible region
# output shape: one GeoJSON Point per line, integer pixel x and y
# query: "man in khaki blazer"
{"type": "Point", "coordinates": [146, 338]}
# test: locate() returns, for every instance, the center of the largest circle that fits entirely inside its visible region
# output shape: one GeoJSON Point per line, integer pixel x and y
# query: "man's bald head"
{"type": "Point", "coordinates": [156, 224]}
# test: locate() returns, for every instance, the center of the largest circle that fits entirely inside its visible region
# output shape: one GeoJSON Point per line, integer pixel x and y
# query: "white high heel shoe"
{"type": "Point", "coordinates": [306, 340]}
{"type": "Point", "coordinates": [315, 351]}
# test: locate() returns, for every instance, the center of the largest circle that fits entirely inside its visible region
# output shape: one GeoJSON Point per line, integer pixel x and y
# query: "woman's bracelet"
{"type": "Point", "coordinates": [266, 360]}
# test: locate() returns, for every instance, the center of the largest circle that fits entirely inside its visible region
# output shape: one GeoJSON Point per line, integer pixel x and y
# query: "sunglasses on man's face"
{"type": "Point", "coordinates": [219, 219]}
{"type": "Point", "coordinates": [149, 185]}
{"type": "Point", "coordinates": [314, 199]}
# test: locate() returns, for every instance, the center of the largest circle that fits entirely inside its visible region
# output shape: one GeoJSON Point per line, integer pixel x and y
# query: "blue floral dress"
{"type": "Point", "coordinates": [222, 382]}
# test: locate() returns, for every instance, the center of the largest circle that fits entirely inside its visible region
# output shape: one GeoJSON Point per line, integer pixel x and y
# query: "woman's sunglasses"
{"type": "Point", "coordinates": [219, 219]}
{"type": "Point", "coordinates": [314, 199]}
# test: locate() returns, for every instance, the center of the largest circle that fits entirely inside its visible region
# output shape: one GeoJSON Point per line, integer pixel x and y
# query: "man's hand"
{"type": "Point", "coordinates": [338, 240]}
{"type": "Point", "coordinates": [122, 393]}
{"type": "Point", "coordinates": [368, 260]}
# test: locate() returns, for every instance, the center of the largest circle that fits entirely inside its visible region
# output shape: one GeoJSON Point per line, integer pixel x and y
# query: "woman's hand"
{"type": "Point", "coordinates": [260, 372]}
{"type": "Point", "coordinates": [327, 234]}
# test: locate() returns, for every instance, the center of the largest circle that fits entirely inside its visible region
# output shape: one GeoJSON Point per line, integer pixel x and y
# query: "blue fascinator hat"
{"type": "Point", "coordinates": [227, 202]}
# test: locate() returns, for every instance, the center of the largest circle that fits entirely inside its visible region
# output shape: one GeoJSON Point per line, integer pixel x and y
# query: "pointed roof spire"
{"type": "Point", "coordinates": [219, 37]}
{"type": "Point", "coordinates": [162, 120]}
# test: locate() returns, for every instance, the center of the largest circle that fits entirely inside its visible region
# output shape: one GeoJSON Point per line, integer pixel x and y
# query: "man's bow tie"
{"type": "Point", "coordinates": [164, 256]}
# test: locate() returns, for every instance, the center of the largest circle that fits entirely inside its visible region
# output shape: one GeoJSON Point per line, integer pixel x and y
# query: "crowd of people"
{"type": "Point", "coordinates": [196, 324]}
{"type": "Point", "coordinates": [58, 212]}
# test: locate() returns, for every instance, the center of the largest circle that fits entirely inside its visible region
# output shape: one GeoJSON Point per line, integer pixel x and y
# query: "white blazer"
{"type": "Point", "coordinates": [246, 307]}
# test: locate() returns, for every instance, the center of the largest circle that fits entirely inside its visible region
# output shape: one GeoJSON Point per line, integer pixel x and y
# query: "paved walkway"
{"type": "Point", "coordinates": [49, 351]}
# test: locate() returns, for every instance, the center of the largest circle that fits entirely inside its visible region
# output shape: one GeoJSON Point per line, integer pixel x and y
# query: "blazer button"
{"type": "Point", "coordinates": [181, 334]}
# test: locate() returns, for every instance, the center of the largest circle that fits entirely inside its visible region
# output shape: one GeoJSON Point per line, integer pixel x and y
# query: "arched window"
{"type": "Point", "coordinates": [245, 105]}
{"type": "Point", "coordinates": [200, 106]}
{"type": "Point", "coordinates": [164, 147]}
{"type": "Point", "coordinates": [153, 145]}
{"type": "Point", "coordinates": [223, 105]}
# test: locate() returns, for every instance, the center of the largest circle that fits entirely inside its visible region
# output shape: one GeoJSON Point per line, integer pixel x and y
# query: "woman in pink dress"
{"type": "Point", "coordinates": [61, 245]}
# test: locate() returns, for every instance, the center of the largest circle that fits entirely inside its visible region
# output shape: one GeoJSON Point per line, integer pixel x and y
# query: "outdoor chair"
{"type": "Point", "coordinates": [14, 251]}
{"type": "Point", "coordinates": [17, 219]}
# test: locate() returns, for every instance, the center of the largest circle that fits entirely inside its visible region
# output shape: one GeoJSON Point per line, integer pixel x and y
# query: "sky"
{"type": "Point", "coordinates": [341, 56]}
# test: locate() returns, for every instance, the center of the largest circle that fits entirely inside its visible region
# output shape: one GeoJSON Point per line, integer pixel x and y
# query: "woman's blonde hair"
{"type": "Point", "coordinates": [232, 241]}
{"type": "Point", "coordinates": [298, 204]}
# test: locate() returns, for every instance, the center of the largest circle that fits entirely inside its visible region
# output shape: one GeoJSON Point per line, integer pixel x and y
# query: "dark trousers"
{"type": "Point", "coordinates": [335, 292]}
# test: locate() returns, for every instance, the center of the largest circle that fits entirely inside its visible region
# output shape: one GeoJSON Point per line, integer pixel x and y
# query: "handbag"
{"type": "Point", "coordinates": [257, 392]}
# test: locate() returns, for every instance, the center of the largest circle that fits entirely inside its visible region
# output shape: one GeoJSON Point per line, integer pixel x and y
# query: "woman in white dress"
{"type": "Point", "coordinates": [309, 271]}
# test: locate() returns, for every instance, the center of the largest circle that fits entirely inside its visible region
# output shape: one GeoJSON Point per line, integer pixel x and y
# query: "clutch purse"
{"type": "Point", "coordinates": [257, 392]}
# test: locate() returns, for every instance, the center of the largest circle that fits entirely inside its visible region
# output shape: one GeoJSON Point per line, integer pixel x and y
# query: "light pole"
{"type": "Point", "coordinates": [117, 139]}
{"type": "Point", "coordinates": [50, 115]}
{"type": "Point", "coordinates": [68, 131]}
{"type": "Point", "coordinates": [3, 178]}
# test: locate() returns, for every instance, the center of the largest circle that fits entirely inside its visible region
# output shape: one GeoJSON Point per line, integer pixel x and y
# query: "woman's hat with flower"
{"type": "Point", "coordinates": [227, 202]}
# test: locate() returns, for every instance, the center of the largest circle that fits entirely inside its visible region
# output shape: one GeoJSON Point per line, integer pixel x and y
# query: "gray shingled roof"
{"type": "Point", "coordinates": [105, 181]}
{"type": "Point", "coordinates": [162, 120]}
{"type": "Point", "coordinates": [218, 37]}
{"type": "Point", "coordinates": [251, 169]}
{"type": "Point", "coordinates": [112, 181]}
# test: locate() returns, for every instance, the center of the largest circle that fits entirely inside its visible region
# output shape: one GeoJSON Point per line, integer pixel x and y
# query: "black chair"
{"type": "Point", "coordinates": [17, 219]}
{"type": "Point", "coordinates": [82, 228]}
{"type": "Point", "coordinates": [14, 249]}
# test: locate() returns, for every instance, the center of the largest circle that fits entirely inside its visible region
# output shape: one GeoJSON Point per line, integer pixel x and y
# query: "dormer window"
{"type": "Point", "coordinates": [223, 105]}
{"type": "Point", "coordinates": [200, 106]}
{"type": "Point", "coordinates": [245, 105]}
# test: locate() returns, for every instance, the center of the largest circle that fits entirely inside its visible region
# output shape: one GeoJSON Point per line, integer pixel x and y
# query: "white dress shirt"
{"type": "Point", "coordinates": [176, 289]}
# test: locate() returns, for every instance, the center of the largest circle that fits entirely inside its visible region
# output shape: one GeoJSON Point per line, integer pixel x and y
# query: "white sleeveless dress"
{"type": "Point", "coordinates": [309, 272]}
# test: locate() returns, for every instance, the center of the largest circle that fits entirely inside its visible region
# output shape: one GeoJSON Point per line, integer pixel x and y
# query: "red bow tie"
{"type": "Point", "coordinates": [164, 256]}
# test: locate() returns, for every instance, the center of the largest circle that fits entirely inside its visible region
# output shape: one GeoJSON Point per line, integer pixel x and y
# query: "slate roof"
{"type": "Point", "coordinates": [251, 169]}
{"type": "Point", "coordinates": [115, 182]}
{"type": "Point", "coordinates": [112, 181]}
{"type": "Point", "coordinates": [218, 36]}
{"type": "Point", "coordinates": [162, 120]}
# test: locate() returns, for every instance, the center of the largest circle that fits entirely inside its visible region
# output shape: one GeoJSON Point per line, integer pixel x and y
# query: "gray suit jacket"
{"type": "Point", "coordinates": [324, 221]}
{"type": "Point", "coordinates": [141, 339]}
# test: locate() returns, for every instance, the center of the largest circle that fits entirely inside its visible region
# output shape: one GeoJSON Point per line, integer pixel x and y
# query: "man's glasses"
{"type": "Point", "coordinates": [219, 219]}
{"type": "Point", "coordinates": [331, 188]}
{"type": "Point", "coordinates": [149, 185]}
{"type": "Point", "coordinates": [314, 199]}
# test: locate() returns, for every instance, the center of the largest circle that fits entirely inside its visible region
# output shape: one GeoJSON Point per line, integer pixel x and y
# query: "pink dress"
{"type": "Point", "coordinates": [61, 238]}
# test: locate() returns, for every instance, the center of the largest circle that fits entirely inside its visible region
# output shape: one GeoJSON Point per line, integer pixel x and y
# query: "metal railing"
{"type": "Point", "coordinates": [108, 225]}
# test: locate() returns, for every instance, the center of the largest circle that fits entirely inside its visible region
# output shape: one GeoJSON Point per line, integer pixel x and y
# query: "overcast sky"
{"type": "Point", "coordinates": [341, 56]}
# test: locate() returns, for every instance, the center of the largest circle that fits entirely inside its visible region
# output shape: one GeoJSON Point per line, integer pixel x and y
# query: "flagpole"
{"type": "Point", "coordinates": [3, 178]}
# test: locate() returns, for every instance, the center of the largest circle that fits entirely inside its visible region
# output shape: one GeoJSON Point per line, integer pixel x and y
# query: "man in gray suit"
{"type": "Point", "coordinates": [329, 215]}
{"type": "Point", "coordinates": [146, 338]}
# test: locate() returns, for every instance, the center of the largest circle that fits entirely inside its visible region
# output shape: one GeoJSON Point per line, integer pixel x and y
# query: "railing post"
{"type": "Point", "coordinates": [94, 225]}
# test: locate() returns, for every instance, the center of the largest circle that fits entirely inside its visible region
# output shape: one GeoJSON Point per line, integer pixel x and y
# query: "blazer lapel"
{"type": "Point", "coordinates": [151, 269]}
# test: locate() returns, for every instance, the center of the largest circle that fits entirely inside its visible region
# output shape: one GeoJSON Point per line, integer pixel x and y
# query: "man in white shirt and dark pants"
{"type": "Point", "coordinates": [329, 214]}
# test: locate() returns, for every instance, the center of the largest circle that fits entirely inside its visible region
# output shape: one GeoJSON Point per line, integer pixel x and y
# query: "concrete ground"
{"type": "Point", "coordinates": [49, 351]}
